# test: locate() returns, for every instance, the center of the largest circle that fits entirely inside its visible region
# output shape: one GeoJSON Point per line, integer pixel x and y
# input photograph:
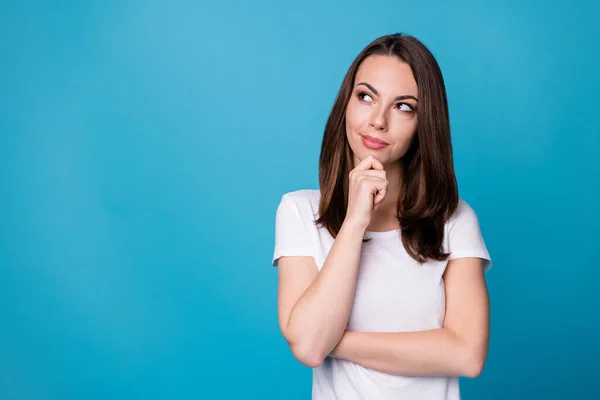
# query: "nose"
{"type": "Point", "coordinates": [378, 120]}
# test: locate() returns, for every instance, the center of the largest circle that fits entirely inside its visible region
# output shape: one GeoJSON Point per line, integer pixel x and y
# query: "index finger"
{"type": "Point", "coordinates": [370, 162]}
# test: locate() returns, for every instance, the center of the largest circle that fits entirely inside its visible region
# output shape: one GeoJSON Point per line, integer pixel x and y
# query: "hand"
{"type": "Point", "coordinates": [368, 187]}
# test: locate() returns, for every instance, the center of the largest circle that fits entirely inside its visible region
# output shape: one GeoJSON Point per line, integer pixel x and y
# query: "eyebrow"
{"type": "Point", "coordinates": [403, 97]}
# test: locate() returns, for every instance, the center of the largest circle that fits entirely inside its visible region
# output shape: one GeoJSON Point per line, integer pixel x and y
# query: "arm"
{"type": "Point", "coordinates": [459, 348]}
{"type": "Point", "coordinates": [314, 307]}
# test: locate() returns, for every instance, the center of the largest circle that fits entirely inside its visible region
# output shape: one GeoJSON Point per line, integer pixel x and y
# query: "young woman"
{"type": "Point", "coordinates": [381, 271]}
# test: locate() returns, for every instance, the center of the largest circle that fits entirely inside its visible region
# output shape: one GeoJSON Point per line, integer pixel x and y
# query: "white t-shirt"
{"type": "Point", "coordinates": [393, 294]}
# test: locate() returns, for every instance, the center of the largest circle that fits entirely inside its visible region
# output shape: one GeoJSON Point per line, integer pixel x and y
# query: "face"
{"type": "Point", "coordinates": [381, 116]}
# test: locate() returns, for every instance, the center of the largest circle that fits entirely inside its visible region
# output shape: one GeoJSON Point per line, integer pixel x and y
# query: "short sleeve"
{"type": "Point", "coordinates": [465, 238]}
{"type": "Point", "coordinates": [291, 235]}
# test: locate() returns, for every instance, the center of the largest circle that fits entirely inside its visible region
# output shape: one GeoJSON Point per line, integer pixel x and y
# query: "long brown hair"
{"type": "Point", "coordinates": [429, 194]}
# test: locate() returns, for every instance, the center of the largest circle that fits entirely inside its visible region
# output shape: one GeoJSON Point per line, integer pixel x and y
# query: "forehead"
{"type": "Point", "coordinates": [389, 75]}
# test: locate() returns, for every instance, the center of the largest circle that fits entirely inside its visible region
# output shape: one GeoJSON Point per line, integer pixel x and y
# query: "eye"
{"type": "Point", "coordinates": [364, 96]}
{"type": "Point", "coordinates": [404, 107]}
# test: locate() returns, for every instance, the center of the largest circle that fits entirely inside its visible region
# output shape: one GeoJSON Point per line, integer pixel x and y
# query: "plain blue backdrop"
{"type": "Point", "coordinates": [146, 145]}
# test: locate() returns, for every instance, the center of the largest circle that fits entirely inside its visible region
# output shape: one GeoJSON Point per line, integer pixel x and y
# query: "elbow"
{"type": "Point", "coordinates": [474, 364]}
{"type": "Point", "coordinates": [305, 351]}
{"type": "Point", "coordinates": [307, 355]}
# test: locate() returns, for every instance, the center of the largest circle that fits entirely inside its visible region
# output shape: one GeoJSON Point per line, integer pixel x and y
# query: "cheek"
{"type": "Point", "coordinates": [406, 126]}
{"type": "Point", "coordinates": [355, 116]}
{"type": "Point", "coordinates": [404, 131]}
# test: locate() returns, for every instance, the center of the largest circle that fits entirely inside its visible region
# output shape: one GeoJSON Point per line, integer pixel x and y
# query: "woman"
{"type": "Point", "coordinates": [381, 271]}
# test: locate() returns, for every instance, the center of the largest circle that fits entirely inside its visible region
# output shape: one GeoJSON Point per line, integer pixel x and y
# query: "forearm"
{"type": "Point", "coordinates": [319, 317]}
{"type": "Point", "coordinates": [438, 352]}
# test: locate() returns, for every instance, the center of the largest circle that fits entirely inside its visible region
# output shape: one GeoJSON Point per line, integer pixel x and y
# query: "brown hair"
{"type": "Point", "coordinates": [429, 194]}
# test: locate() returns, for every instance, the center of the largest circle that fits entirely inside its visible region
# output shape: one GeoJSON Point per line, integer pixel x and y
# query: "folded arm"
{"type": "Point", "coordinates": [459, 348]}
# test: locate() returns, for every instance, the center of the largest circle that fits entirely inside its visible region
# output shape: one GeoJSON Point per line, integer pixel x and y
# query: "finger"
{"type": "Point", "coordinates": [379, 196]}
{"type": "Point", "coordinates": [381, 188]}
{"type": "Point", "coordinates": [369, 162]}
{"type": "Point", "coordinates": [371, 173]}
{"type": "Point", "coordinates": [364, 165]}
{"type": "Point", "coordinates": [376, 164]}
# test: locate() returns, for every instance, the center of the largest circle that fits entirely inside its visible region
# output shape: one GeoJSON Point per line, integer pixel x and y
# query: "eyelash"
{"type": "Point", "coordinates": [362, 94]}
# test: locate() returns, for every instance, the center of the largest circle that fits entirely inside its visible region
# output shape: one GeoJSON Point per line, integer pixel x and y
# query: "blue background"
{"type": "Point", "coordinates": [145, 146]}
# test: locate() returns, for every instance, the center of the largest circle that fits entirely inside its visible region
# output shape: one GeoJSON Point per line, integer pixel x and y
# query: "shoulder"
{"type": "Point", "coordinates": [463, 208]}
{"type": "Point", "coordinates": [464, 212]}
{"type": "Point", "coordinates": [464, 236]}
{"type": "Point", "coordinates": [302, 194]}
{"type": "Point", "coordinates": [302, 202]}
{"type": "Point", "coordinates": [301, 197]}
{"type": "Point", "coordinates": [464, 224]}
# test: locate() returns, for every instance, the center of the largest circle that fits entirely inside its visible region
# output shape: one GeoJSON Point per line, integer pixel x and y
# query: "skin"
{"type": "Point", "coordinates": [314, 306]}
{"type": "Point", "coordinates": [383, 105]}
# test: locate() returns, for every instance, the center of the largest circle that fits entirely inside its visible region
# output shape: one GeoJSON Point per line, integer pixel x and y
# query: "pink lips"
{"type": "Point", "coordinates": [373, 143]}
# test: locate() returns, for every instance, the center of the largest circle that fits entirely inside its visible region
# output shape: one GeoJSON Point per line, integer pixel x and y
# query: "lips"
{"type": "Point", "coordinates": [373, 143]}
{"type": "Point", "coordinates": [372, 139]}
